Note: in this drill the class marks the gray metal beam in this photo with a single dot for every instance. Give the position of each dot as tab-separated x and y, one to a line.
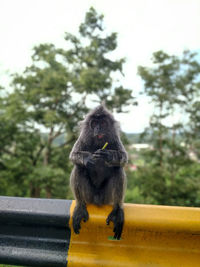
34	232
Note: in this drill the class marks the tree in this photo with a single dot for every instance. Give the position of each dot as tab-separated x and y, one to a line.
172	85
49	99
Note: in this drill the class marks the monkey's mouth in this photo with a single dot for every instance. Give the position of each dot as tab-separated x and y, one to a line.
100	136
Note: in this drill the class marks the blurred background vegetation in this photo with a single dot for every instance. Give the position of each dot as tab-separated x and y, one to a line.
39	118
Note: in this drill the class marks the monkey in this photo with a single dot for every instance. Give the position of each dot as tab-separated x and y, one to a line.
98	176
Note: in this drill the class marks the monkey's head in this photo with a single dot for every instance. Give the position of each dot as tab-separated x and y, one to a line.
101	124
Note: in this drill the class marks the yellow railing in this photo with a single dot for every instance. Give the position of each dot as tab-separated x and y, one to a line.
38	232
152	236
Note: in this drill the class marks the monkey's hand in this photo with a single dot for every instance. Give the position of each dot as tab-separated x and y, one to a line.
88	161
117	217
106	155
112	157
80	212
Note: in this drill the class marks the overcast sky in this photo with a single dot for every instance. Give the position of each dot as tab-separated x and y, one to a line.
143	26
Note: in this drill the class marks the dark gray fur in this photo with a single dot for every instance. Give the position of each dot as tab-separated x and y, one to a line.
98	176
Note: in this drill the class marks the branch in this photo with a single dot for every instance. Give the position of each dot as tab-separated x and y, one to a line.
8	152
42	146
68	142
59	132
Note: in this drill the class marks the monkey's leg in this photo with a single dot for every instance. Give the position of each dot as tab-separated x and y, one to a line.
82	193
80	213
116	189
117	217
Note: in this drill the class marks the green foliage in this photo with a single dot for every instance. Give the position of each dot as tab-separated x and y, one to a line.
154	186
39	117
169	175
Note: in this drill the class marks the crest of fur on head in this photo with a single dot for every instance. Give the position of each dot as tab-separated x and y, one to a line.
99	111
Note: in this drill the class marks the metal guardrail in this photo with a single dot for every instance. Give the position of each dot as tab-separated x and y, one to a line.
36	232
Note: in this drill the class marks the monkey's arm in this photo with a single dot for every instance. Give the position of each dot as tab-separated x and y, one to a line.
112	157
80	157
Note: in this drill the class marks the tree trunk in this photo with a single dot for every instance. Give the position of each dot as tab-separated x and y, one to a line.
47	157
160	136
34	191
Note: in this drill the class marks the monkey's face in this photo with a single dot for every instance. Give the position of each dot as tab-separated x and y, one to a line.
99	126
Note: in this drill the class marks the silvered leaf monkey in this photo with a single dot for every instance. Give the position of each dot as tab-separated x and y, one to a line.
98	176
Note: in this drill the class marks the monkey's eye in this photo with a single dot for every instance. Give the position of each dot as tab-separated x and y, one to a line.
104	124
93	124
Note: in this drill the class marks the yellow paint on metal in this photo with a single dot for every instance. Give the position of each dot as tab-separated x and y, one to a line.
153	236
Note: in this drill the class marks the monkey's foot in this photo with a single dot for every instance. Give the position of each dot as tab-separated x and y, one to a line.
79	214
117	217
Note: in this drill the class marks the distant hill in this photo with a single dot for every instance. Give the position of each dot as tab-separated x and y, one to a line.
133	138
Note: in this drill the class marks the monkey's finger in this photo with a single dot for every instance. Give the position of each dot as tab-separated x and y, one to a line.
118	230
117	236
108	220
76	226
96	156
76	230
90	163
86	217
100	153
